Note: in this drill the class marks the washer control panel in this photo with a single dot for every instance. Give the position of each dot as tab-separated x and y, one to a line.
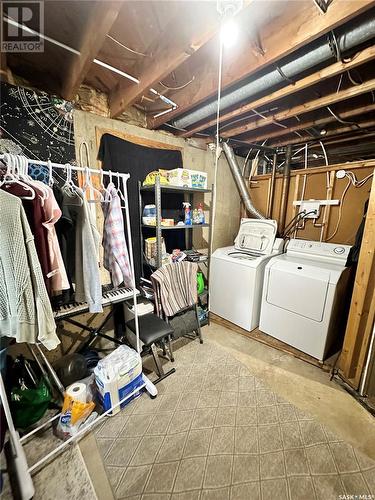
318	250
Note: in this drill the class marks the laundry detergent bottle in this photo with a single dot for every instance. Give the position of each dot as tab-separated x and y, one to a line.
187	209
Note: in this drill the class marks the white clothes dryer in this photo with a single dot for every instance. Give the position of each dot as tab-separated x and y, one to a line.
236	272
304	296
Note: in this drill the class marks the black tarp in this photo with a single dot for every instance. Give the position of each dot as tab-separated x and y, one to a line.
122	156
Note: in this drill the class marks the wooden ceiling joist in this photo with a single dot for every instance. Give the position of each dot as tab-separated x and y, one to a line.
182	38
280	37
331	71
359	110
300	109
101	17
331	133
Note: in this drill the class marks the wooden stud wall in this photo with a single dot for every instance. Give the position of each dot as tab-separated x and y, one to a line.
320	184
362	308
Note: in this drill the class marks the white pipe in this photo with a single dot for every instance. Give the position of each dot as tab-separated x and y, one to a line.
34	431
131	257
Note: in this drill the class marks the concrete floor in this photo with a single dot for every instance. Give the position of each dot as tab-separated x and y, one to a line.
304	385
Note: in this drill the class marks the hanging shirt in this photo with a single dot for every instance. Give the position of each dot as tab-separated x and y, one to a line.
81	248
116	256
25	309
66	234
35	216
52	213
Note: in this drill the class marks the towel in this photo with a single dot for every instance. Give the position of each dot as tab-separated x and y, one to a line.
175	287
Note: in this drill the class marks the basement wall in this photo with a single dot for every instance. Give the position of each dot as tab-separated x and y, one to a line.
89	128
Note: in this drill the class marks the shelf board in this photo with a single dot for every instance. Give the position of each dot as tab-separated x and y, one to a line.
175	189
167	228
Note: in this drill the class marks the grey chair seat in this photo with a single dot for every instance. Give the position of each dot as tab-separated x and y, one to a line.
151	328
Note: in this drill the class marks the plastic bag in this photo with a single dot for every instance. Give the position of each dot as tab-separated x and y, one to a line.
29	405
73	415
29	395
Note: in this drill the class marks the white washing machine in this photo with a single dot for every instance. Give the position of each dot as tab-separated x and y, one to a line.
236	272
305	294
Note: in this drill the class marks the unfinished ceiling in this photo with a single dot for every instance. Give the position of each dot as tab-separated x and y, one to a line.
296	75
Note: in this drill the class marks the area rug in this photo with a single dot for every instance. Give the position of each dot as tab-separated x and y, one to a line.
216	431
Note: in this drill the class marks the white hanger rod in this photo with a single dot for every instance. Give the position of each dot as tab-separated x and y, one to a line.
95	171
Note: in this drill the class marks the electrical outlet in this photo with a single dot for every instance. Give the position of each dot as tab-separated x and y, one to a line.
312	206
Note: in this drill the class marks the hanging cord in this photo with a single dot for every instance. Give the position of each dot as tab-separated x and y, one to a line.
217	148
357	184
179	87
324	152
340	211
128	48
340	120
334	46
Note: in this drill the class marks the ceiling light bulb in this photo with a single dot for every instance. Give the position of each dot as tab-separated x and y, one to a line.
229	33
323	131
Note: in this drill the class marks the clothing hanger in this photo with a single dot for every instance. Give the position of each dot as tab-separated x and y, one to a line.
11	178
89	185
69	187
118	189
107	195
23	166
50	177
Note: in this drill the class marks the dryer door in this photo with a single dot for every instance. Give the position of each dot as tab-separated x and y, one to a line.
299	288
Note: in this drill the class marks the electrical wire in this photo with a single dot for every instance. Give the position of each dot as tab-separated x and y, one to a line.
180	87
324	152
264	117
340	82
340	211
128	48
357	184
352	79
340	120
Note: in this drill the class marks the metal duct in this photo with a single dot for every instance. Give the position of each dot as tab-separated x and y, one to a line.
359	32
240	183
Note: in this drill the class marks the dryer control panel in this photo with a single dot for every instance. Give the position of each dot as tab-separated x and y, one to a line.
318	250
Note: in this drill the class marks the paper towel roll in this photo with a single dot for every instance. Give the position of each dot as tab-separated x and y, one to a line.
77	391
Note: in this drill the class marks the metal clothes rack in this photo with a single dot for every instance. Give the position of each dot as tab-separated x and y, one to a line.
147	384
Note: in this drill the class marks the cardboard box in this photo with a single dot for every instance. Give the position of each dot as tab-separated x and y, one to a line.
184	177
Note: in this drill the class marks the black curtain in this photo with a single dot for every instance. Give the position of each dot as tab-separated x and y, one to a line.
122	156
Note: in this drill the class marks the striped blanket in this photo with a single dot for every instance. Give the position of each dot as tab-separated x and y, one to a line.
175	287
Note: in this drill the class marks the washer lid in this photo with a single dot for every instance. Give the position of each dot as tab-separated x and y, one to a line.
256	236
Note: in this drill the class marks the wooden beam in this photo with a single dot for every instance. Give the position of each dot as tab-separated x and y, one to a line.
99	22
299	24
361	314
333	70
356	165
300	109
183	36
313	123
331	133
